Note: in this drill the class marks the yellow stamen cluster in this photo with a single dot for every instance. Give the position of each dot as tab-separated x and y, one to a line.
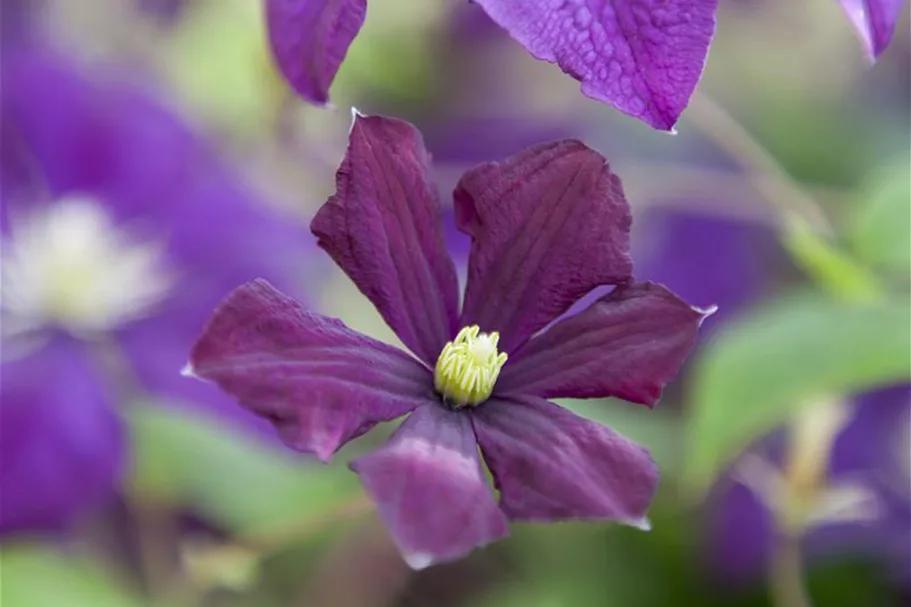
468	367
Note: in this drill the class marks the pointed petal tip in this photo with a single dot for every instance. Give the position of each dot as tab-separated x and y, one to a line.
706	312
188	371
355	114
418	560
324	453
642	524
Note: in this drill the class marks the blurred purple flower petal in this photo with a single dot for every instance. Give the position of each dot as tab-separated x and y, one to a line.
166	11
875	22
310	39
62	447
430	488
384	228
644	58
111	188
113	142
319	382
547	226
867	454
471	140
627	344
550	464
707	259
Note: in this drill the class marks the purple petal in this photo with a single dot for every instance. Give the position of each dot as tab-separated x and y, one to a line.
384	228
628	344
320	383
550	464
430	488
110	139
310	38
547	226
62	446
874	21
644	58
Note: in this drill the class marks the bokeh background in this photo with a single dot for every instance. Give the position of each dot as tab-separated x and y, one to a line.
157	135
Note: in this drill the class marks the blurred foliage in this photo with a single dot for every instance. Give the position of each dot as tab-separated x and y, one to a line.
217	59
880	230
790	353
831	268
389	59
35	576
178	458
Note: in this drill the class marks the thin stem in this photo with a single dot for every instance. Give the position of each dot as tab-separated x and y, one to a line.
781	192
158	533
157	543
268	540
786	577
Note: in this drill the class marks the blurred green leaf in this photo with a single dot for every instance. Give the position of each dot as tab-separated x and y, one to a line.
881	230
828	266
757	372
234	479
392	55
36	576
218	60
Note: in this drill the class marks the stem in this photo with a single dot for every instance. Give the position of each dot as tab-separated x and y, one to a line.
786	572
157	530
269	540
157	543
781	192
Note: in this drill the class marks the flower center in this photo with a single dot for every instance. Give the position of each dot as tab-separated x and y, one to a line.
69	264
468	367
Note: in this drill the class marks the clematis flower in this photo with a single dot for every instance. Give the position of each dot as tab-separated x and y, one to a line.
547	226
120	231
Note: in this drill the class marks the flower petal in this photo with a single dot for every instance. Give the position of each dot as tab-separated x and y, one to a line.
550	464
384	228
62	446
627	344
320	383
547	226
644	58
430	488
310	38
874	21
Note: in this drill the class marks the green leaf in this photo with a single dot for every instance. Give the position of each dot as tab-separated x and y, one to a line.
392	55
757	372
231	477
218	61
881	229
35	576
831	268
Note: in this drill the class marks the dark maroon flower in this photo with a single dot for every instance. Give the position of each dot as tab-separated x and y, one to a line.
547	226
